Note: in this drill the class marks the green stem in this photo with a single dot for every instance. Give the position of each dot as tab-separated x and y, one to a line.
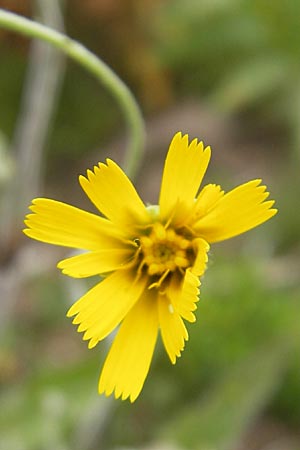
97	67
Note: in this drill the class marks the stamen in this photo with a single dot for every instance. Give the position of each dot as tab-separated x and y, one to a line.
159	282
163	250
131	262
159	231
181	262
153	269
146	241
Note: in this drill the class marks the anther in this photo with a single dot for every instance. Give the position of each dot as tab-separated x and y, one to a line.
146	242
181	262
160	231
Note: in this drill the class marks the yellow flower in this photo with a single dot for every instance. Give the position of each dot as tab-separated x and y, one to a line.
150	258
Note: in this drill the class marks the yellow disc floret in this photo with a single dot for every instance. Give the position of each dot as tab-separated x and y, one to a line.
164	251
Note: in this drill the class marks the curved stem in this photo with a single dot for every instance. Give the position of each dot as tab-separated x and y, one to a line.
97	67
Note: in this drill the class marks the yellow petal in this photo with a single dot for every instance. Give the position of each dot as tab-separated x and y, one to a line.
184	294
189	296
128	362
61	224
113	194
207	198
199	266
237	211
103	307
184	169
173	331
94	263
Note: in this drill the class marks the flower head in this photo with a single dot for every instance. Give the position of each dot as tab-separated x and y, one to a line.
150	258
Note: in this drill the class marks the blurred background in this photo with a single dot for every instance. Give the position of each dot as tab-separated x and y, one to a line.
227	72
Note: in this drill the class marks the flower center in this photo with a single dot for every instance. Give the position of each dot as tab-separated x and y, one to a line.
164	251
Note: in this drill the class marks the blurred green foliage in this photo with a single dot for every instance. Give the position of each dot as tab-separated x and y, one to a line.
240	55
11	88
242	52
94	115
241	360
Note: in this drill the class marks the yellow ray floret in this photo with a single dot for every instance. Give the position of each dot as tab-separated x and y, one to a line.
122	204
61	224
95	263
98	313
237	211
173	331
184	169
128	361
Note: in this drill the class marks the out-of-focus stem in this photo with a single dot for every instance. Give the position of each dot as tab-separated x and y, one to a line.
96	66
41	89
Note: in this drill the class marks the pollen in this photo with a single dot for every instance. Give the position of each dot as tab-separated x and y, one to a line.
165	250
